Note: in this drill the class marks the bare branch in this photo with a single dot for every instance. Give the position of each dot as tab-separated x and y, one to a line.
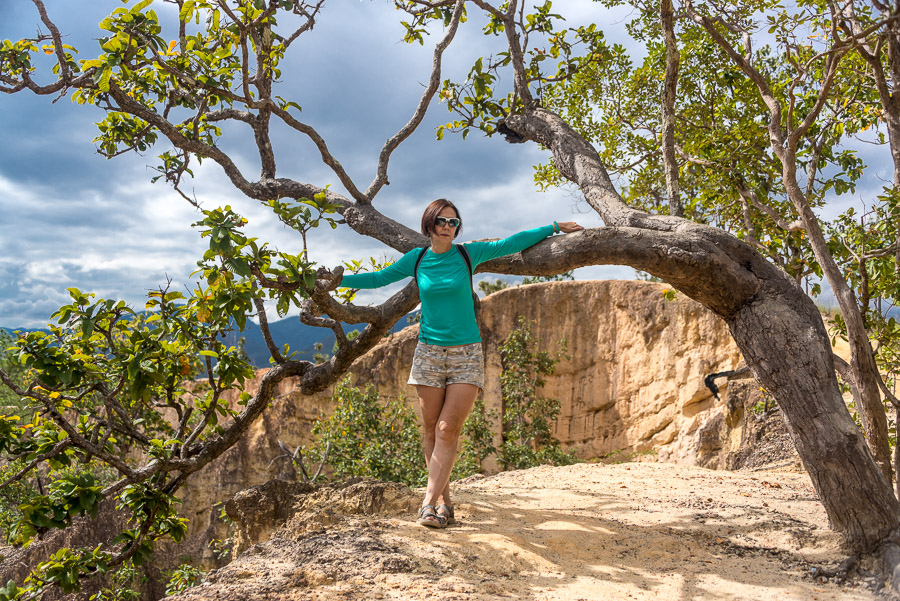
326	155
64	71
433	83
57	448
310	21
264	327
670	165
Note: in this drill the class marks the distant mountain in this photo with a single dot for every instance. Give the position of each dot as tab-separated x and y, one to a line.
301	337
12	331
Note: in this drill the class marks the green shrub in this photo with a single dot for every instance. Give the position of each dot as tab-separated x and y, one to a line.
369	437
477	441
376	438
528	416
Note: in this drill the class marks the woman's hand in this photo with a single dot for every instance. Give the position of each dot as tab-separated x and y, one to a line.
329	280
567	227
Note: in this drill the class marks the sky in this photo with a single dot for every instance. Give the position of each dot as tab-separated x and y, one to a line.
71	218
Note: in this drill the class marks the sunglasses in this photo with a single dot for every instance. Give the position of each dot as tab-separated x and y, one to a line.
442	221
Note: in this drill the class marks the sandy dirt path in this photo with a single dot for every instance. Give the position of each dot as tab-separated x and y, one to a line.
628	531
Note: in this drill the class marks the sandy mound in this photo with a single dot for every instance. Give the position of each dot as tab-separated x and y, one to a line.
589	531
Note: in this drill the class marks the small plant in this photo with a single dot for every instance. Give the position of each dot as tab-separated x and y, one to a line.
221	547
184	577
122	585
622	456
477	441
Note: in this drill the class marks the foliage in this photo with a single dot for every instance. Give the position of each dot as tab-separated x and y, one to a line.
10	402
477	441
122	585
13	496
96	382
559	277
528	416
222	548
489	288
184	577
858	241
371	437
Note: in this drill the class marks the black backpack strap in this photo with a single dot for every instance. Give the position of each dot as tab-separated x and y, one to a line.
475	300
418	262
465	255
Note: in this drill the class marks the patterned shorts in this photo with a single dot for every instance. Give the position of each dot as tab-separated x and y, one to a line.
439	366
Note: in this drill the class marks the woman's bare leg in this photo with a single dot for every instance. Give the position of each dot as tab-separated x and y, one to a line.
458	401
431	401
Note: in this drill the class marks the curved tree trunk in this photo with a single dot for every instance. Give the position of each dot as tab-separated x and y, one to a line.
776	325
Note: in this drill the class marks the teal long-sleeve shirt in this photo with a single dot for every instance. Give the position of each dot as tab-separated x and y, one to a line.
448	314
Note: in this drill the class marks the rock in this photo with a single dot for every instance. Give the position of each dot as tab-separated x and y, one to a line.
259	510
279	508
761	437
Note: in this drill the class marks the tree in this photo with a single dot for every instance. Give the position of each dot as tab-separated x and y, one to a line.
559	277
487	287
772	320
102	374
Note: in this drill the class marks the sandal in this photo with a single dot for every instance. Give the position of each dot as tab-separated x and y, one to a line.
446	512
430	518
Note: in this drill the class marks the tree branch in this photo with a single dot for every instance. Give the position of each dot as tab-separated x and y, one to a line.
433	83
670	165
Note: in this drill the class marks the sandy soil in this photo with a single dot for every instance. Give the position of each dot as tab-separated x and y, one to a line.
591	531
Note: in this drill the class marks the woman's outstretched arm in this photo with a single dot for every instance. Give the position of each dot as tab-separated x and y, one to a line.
485	251
390	274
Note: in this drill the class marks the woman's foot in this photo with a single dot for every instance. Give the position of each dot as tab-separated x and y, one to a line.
446	511
431	518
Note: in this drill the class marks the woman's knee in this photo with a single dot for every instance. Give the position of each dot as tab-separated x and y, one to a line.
448	430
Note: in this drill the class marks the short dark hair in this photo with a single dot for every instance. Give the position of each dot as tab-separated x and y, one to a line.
431	214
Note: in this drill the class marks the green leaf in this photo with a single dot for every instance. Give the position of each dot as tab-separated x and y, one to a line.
103	80
186	10
141	6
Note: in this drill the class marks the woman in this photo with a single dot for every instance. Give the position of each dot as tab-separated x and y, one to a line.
448	367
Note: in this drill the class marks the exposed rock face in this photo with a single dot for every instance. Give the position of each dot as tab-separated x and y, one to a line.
764	436
634	377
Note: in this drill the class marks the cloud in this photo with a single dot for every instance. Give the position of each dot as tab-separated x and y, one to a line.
71	218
